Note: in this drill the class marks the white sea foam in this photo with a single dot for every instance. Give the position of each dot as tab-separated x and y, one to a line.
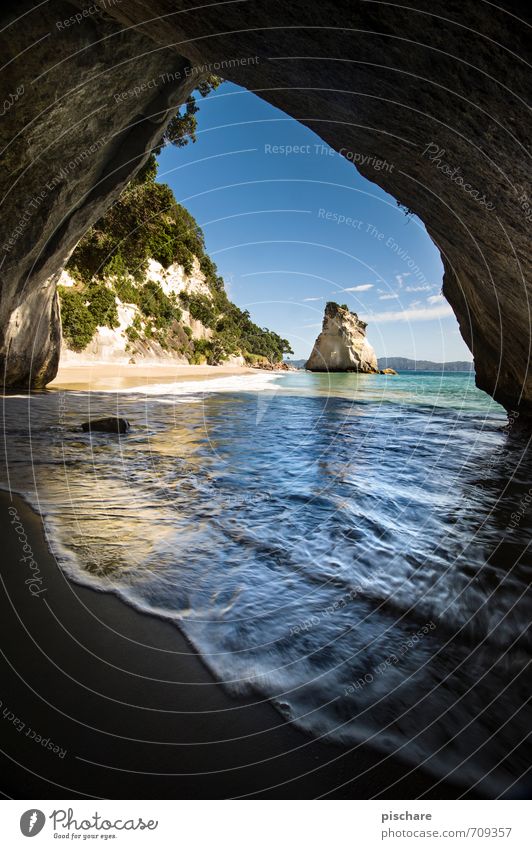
234	383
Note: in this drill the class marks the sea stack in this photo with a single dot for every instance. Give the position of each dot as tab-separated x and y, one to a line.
342	343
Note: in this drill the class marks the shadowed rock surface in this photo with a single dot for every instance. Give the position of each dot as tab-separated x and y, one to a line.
342	343
437	89
112	424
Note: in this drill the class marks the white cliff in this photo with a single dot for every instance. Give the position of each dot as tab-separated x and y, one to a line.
113	345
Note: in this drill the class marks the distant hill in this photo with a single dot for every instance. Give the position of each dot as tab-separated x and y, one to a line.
404	364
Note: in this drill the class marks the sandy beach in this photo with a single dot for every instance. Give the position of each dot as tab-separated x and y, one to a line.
109	376
102	701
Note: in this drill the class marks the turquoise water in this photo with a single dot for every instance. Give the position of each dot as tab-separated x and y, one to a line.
352	548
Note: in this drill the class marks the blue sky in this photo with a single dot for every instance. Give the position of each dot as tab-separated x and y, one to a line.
290	229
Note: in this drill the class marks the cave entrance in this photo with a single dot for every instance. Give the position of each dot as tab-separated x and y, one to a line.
291	225
369	80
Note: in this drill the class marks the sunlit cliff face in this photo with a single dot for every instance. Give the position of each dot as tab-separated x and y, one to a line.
439	102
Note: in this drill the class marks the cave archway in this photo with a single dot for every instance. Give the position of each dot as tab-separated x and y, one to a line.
439	89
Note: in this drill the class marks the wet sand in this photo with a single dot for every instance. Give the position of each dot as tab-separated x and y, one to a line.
107	376
100	700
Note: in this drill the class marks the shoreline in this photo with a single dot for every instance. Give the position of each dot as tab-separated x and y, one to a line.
137	712
97	377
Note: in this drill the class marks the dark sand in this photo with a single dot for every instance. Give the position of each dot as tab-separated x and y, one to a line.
138	713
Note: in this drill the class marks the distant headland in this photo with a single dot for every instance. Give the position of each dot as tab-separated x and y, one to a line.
405	364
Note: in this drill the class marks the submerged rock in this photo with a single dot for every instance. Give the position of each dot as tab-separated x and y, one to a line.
342	344
266	365
112	424
388	371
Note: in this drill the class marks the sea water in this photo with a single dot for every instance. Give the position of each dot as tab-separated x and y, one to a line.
353	548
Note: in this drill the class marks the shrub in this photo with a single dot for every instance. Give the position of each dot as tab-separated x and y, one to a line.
78	322
202	309
202	352
126	290
156	305
208	268
132	333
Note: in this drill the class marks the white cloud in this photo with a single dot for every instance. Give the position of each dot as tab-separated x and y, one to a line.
400	277
387	297
362	287
417	288
418	314
312	299
436	299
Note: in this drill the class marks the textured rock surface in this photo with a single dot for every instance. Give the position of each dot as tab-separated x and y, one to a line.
342	344
112	424
372	79
68	149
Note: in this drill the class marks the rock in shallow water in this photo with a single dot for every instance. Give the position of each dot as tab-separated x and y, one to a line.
112	424
342	344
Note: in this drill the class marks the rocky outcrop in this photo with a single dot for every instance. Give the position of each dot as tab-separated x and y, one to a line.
342	344
111	424
436	90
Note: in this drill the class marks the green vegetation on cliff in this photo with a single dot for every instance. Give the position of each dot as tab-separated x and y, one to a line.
84	309
146	222
112	259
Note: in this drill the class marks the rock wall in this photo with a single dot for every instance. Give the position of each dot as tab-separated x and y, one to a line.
342	344
437	89
70	143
